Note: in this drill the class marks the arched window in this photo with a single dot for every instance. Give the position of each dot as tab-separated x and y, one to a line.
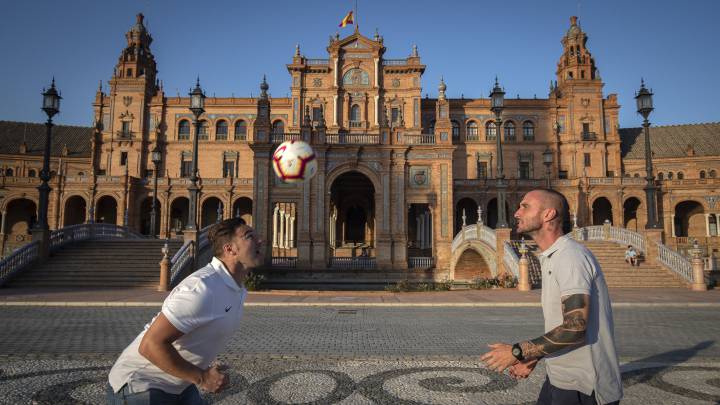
510	132
680	175
129	72
670	175
31	173
471	131
278	127
636	175
490	131
455	131
354	114
660	176
702	174
528	131
203	131
240	131
356	77
712	174
184	130
221	131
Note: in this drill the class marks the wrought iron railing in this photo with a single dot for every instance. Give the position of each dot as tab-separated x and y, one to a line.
18	260
353	139
353	262
421	262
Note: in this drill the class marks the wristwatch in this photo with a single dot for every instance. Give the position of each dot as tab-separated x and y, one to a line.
517	352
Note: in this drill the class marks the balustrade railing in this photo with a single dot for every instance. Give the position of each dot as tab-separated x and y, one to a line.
475	232
675	262
18	260
284	262
280	138
353	139
394	62
614	234
421	263
352	262
317	61
419	139
182	260
511	260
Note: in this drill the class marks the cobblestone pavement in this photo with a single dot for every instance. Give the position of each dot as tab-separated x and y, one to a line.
358	355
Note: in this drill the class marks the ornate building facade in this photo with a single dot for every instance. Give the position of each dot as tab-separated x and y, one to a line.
399	173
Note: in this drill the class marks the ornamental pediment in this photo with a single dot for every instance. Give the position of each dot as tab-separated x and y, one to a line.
356	44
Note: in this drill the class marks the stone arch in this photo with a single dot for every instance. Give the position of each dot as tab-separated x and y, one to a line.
21	216
631	210
106	210
209	212
179	210
690	219
601	210
470	206
353	206
461	264
243	208
74	210
492	213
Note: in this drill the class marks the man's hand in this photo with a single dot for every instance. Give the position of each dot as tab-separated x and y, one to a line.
499	358
212	380
522	369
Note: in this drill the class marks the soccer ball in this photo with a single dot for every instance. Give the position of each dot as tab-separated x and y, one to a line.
294	162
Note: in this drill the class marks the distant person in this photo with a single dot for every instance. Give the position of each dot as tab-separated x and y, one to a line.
578	345
171	358
631	256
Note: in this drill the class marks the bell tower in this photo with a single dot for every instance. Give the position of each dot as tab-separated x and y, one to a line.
127	118
585	123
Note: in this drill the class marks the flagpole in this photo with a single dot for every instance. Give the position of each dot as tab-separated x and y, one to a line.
357	26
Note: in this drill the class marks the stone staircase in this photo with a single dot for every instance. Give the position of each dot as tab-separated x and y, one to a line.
620	274
100	263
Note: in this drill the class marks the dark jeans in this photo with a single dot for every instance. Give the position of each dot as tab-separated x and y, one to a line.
190	396
552	395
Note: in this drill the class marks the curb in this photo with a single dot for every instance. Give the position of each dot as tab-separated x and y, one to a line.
358	304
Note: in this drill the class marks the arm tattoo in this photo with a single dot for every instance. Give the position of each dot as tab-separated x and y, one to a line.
570	334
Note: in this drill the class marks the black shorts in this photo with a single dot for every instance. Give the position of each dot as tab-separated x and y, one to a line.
551	395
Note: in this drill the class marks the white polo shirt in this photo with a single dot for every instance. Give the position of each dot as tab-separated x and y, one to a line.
568	268
206	307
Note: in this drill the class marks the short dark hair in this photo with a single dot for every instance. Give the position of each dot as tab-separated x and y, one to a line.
222	233
564	208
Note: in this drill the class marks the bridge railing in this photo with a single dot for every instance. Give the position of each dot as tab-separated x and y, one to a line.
18	260
511	260
22	258
182	260
352	262
675	262
475	232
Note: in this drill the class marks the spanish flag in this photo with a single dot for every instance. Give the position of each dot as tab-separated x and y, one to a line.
347	20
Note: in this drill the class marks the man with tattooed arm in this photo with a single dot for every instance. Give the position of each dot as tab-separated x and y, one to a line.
578	346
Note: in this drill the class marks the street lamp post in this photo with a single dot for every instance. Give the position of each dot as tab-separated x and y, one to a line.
497	104
644	102
156	157
197	106
547	161
51	106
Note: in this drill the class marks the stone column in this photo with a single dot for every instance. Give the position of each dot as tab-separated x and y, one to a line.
335	109
417	229
652	238
281	242
275	228
502	235
707	224
524	267
288	229
672	225
717	224
428	230
698	269
421	231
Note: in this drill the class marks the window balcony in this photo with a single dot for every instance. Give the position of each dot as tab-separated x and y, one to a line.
589	136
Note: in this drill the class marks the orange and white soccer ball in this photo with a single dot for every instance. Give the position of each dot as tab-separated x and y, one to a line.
294	162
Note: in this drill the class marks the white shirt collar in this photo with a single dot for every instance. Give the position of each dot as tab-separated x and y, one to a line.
225	274
554	247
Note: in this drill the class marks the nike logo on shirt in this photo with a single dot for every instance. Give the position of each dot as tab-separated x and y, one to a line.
228	308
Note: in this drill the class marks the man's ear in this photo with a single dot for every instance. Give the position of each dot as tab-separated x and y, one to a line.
549	214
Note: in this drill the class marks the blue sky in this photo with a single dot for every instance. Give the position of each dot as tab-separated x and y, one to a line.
232	43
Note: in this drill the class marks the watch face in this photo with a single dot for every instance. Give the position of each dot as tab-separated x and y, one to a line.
516	351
